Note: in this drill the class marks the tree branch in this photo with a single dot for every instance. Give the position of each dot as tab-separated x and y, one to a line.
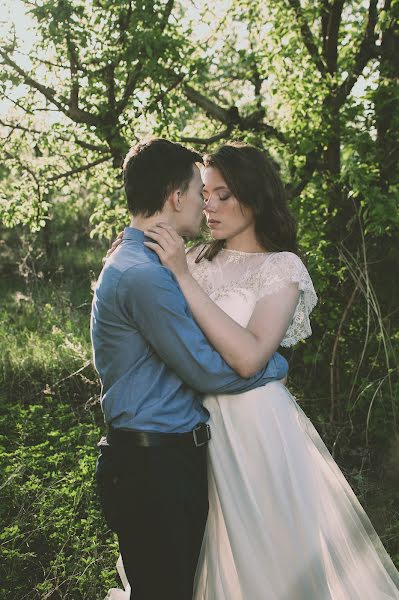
325	14
26	110
133	78
124	22
210	140
214	110
86	145
256	80
307	37
166	14
160	97
367	50
76	114
254	122
79	169
73	66
42	61
231	116
47	92
313	159
131	83
110	79
14	126
24	167
331	35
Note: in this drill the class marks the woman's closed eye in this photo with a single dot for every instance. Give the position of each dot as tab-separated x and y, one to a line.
221	197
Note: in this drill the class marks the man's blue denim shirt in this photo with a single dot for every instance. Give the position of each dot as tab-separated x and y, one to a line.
154	362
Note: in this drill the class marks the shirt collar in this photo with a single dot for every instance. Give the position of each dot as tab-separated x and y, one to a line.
136	235
131	233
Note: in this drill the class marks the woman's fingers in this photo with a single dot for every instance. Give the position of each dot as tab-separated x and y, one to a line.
167	230
171	239
167	242
157	248
169	247
163	233
158	237
171	231
118	240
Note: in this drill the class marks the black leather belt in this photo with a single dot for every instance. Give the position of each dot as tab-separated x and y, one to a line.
199	436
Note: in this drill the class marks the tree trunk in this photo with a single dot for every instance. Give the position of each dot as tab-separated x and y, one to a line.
387	101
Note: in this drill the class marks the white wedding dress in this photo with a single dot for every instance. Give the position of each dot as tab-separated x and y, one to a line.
283	522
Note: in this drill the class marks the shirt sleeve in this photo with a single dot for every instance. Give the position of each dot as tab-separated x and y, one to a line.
152	300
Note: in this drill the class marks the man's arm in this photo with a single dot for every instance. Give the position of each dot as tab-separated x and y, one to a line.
152	299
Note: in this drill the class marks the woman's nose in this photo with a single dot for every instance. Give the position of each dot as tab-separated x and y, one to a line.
210	205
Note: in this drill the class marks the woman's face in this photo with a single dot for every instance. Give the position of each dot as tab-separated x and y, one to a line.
225	216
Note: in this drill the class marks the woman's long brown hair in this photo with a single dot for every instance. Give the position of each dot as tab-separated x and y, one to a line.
255	182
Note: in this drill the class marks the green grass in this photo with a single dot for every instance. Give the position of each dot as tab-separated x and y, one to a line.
54	542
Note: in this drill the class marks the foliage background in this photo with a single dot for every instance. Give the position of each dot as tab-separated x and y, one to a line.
313	83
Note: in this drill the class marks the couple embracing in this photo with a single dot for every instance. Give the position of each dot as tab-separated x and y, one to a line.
215	481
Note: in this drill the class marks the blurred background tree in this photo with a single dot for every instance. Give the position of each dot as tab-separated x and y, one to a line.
313	83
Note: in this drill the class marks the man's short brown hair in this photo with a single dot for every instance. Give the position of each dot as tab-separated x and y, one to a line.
152	170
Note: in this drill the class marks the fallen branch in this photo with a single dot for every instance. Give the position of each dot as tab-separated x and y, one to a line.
57	383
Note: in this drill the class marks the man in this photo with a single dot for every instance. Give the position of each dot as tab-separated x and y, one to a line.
155	366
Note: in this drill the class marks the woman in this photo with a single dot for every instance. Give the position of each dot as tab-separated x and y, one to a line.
283	522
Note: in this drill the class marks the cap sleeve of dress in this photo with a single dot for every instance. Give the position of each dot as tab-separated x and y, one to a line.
281	270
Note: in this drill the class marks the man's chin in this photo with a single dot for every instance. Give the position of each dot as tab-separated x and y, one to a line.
191	234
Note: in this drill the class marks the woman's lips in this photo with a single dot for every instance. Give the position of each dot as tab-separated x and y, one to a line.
212	223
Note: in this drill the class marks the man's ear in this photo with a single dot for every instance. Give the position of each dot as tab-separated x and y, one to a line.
175	200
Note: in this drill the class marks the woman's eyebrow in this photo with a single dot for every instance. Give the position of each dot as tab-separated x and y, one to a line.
220	187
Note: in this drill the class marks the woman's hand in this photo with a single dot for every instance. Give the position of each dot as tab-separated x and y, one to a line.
114	246
170	248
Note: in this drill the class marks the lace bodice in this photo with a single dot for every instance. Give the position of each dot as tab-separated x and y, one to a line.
236	281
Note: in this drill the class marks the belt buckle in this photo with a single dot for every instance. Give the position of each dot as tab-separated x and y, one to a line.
197	430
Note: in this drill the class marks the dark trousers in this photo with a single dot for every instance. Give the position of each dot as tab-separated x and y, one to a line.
156	500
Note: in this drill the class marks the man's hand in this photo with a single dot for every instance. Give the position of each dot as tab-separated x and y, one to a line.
170	248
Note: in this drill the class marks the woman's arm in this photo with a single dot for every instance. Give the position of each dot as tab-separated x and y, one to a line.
246	350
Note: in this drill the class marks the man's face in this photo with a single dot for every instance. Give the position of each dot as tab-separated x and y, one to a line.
188	220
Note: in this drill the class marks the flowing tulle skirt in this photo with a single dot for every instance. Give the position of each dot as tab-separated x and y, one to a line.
283	522
117	593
